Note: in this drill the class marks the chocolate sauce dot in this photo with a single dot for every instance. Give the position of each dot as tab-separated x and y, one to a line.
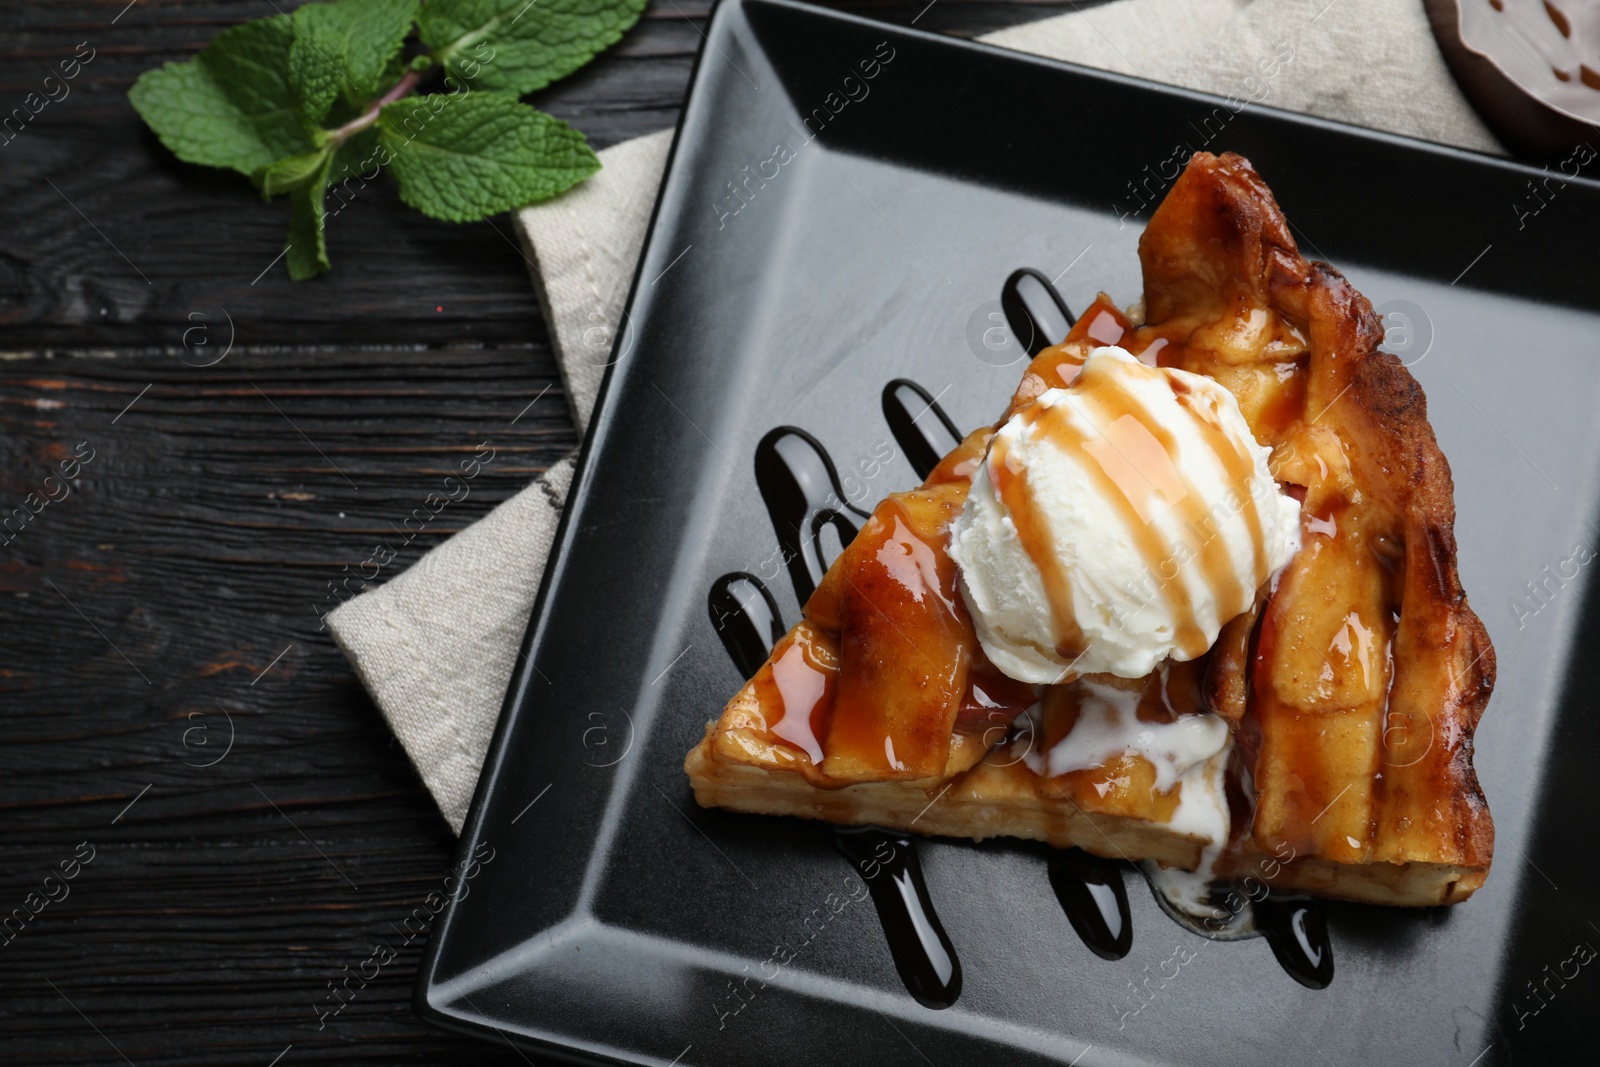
746	618
1297	930
1036	313
920	426
922	953
801	489
1092	893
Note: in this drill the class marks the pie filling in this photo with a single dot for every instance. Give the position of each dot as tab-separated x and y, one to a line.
1192	600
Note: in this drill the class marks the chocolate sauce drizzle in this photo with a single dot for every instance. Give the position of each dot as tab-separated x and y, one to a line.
1297	929
1092	893
920	426
746	618
1036	313
801	489
922	951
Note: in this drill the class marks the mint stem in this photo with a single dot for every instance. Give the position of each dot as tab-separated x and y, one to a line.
356	125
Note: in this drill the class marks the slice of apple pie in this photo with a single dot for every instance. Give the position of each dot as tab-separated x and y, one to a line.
1193	600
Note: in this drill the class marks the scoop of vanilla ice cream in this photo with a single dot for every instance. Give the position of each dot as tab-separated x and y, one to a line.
1117	522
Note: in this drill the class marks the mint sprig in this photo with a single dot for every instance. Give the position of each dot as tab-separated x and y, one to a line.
321	99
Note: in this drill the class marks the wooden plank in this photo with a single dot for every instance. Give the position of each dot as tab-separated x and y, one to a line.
197	546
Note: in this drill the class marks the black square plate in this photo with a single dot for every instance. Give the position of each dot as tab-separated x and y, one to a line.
877	218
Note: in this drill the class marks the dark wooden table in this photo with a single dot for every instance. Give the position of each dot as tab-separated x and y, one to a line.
172	707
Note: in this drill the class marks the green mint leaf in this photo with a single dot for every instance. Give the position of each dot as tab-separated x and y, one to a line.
348	48
314	78
463	157
518	46
287	175
307	254
231	105
356	166
349	170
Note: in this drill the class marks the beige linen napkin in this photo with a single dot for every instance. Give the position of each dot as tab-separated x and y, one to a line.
435	646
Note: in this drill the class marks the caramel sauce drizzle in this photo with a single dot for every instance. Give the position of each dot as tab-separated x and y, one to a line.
1241	468
1011	483
1135	465
803	694
1140	458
